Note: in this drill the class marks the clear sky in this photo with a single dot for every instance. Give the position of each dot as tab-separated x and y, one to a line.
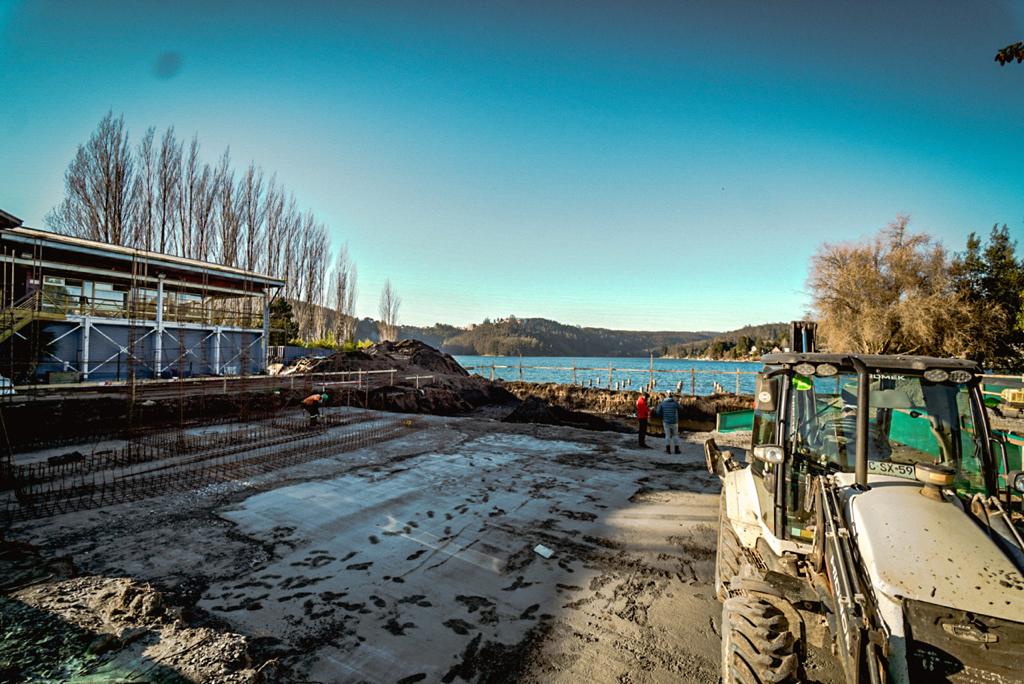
636	165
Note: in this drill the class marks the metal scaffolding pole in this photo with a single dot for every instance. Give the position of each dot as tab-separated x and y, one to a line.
158	343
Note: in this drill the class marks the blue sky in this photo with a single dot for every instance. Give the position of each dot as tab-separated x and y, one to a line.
635	165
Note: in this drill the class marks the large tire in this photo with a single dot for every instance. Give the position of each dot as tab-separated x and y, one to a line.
730	556
757	644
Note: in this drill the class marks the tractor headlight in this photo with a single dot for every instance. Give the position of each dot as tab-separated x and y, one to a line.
826	370
769	453
960	376
936	375
804	368
1016	478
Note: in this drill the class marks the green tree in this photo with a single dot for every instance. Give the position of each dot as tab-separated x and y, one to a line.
283	327
990	282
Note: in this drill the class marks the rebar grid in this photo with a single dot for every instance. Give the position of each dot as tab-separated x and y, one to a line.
85	490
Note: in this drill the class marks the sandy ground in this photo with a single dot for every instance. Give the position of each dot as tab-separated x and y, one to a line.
413	560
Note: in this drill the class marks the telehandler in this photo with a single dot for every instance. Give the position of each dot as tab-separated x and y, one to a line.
874	494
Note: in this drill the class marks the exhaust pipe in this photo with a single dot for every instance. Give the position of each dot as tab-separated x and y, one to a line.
863	393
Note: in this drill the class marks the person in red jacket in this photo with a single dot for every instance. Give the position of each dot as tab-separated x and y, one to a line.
642	414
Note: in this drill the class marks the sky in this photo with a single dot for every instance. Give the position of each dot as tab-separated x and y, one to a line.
645	166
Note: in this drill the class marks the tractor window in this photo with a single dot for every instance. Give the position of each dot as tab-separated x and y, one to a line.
910	421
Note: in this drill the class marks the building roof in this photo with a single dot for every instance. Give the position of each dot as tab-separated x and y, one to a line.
155	261
8	220
872	361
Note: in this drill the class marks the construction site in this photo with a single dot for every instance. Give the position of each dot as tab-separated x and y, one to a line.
170	513
178	506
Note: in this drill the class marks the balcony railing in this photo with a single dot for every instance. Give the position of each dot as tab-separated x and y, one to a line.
228	314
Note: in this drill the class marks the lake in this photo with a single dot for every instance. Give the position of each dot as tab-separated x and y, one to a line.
626	373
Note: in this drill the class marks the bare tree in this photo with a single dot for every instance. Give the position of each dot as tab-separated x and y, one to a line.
250	211
145	192
273	220
387	309
893	294
344	295
227	215
188	182
99	184
168	175
203	213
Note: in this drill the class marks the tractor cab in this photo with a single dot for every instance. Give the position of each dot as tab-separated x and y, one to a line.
897	416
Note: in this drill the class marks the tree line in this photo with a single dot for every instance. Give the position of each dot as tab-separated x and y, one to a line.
161	195
902	292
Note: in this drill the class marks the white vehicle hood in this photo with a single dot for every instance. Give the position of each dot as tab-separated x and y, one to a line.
917	548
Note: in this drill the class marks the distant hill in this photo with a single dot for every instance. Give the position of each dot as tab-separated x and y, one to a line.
542	337
736	344
513	336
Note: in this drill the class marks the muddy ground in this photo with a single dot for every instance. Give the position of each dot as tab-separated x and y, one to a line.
411	560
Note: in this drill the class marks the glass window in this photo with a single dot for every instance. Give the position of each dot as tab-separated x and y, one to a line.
910	420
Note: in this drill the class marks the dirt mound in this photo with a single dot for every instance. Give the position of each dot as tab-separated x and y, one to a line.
536	410
57	627
404	355
696	413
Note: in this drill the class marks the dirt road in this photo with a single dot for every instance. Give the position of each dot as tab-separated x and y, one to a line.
413	560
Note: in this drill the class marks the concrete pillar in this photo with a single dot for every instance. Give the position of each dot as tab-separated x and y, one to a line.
216	350
266	332
84	365
158	343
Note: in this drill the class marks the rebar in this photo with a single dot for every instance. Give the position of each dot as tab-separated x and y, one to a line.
105	479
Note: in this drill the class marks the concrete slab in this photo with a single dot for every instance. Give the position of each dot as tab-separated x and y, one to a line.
412	560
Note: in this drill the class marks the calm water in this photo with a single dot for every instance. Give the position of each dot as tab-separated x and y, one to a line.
627	373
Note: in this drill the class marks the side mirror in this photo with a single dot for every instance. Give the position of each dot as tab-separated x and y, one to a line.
767	394
769	453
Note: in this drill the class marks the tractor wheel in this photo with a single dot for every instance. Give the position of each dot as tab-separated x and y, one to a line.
757	645
729	557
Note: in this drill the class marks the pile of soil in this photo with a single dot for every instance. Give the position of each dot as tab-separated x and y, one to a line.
536	410
696	413
404	355
447	390
57	626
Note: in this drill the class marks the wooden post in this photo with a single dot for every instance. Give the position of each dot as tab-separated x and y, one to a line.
609	375
574	371
737	382
693	382
492	371
650	384
520	368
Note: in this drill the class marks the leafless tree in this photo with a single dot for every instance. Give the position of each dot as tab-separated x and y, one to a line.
250	211
188	182
227	215
893	294
273	220
344	295
145	192
99	184
168	175
387	309
203	213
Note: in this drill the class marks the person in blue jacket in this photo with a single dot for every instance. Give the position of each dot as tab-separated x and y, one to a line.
668	411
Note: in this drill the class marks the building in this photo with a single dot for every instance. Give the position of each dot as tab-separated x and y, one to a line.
81	310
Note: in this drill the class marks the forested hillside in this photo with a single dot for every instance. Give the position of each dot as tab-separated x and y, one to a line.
736	344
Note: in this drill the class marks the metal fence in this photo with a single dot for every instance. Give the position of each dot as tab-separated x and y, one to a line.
697	380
